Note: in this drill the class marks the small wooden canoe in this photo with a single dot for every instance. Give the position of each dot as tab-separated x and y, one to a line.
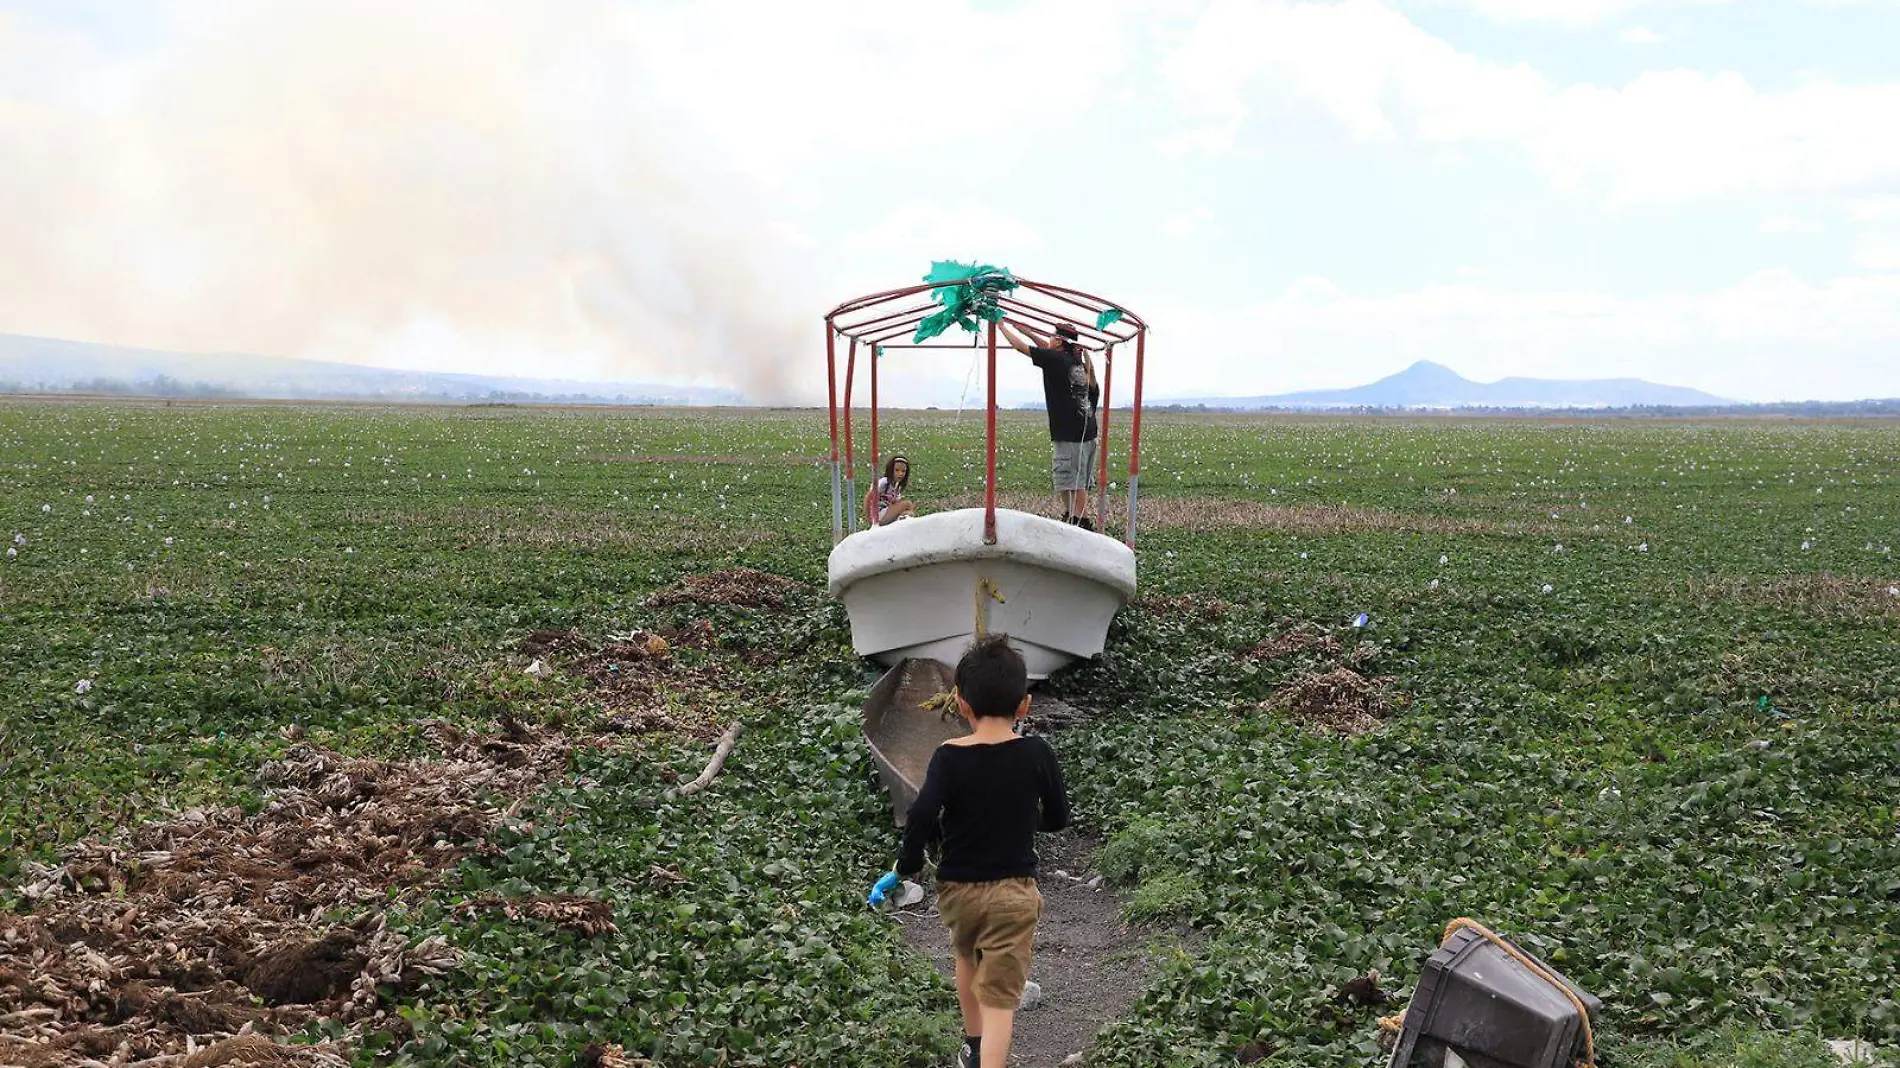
902	733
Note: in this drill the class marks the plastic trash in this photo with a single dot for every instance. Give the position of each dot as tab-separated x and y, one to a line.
885	884
1103	320
968	293
909	894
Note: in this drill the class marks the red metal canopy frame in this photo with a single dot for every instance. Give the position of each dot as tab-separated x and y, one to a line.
887	319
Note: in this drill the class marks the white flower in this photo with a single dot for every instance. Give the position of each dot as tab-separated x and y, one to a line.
45	508
1432	585
19	539
1443	559
1643	548
1559	548
88	498
1302	556
82	686
1627	520
168	539
1546	587
1805	546
1893	591
11	551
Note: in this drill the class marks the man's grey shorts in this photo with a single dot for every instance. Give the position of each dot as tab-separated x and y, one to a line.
1073	465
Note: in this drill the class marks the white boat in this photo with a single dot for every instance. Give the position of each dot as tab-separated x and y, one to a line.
923	588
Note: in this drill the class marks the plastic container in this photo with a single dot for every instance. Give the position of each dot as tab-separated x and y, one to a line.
1475	1001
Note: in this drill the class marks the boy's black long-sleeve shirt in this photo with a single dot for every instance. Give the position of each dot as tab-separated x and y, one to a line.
987	802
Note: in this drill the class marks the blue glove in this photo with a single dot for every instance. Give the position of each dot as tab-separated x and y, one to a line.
885	885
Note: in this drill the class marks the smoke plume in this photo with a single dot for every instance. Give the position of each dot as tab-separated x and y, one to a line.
490	187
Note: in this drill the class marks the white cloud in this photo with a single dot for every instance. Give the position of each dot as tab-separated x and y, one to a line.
1663	136
779	86
1878	209
1790	224
1747	341
1639	35
1561	12
1188	223
1878	250
1572	14
919	231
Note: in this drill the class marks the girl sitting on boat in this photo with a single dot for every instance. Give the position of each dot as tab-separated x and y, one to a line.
885	503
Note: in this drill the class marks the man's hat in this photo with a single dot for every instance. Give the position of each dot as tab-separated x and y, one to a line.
1067	330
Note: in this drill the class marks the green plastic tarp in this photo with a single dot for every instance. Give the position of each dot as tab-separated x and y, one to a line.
968	293
1108	316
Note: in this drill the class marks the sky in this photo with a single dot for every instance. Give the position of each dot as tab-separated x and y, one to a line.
1295	195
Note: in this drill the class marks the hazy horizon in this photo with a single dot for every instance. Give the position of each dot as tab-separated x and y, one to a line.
1297	195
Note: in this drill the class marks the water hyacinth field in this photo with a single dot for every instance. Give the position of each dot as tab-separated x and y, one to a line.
407	696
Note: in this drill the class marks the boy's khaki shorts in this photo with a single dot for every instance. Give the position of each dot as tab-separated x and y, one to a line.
993	924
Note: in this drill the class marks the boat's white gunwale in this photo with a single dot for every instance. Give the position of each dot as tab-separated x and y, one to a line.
957	536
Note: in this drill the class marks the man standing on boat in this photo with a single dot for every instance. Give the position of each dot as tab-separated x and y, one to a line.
1070	394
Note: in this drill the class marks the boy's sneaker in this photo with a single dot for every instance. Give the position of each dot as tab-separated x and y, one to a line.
1085	523
966	1057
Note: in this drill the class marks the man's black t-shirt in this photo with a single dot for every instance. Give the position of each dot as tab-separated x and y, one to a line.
988	802
1068	394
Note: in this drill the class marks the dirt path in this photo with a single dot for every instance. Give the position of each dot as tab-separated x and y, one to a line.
1089	963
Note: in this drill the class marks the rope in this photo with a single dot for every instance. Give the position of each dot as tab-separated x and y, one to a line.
1393	1025
985	591
968	377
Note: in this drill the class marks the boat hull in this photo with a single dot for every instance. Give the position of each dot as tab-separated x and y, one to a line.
902	734
920	588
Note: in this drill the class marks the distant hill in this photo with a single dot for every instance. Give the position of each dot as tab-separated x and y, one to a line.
1432	385
34	364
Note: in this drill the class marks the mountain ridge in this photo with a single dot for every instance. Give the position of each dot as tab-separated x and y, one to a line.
29	363
1430	385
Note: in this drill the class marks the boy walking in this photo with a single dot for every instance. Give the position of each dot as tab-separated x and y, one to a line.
986	795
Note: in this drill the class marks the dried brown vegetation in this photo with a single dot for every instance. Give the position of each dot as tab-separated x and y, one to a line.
1293	639
1340	701
742	587
1833	596
214	925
